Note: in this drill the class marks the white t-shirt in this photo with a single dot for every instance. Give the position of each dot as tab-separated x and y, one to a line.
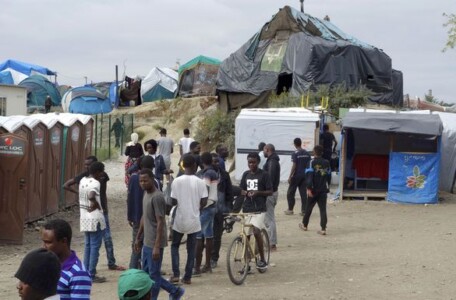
185	143
90	220
188	190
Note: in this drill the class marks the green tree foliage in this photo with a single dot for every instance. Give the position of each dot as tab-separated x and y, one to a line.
451	25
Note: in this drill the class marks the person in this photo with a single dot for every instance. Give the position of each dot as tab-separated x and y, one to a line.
255	187
135	207
133	151
272	166
117	127
317	182
195	149
261	153
38	275
222	152
165	148
184	142
224	205
205	238
47	104
107	237
160	165
134	284
152	234
329	143
75	281
300	161
92	221
190	194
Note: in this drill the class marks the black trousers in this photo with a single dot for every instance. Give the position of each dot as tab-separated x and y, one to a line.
297	182
218	231
319	199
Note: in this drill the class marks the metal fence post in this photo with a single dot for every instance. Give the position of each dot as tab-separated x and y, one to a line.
96	134
109	137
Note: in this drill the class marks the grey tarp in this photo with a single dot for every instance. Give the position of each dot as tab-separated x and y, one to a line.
448	162
314	52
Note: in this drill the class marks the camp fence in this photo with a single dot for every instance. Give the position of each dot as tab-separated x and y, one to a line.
104	138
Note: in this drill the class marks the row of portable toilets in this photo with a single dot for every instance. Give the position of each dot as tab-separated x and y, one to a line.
38	153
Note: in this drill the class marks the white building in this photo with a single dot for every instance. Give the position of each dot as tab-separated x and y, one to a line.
13	100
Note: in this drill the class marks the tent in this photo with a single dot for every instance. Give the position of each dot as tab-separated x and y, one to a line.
296	52
109	89
278	126
85	100
392	155
6	77
198	76
21	70
160	83
38	88
448	163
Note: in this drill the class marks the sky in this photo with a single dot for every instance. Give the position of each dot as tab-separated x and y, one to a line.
88	38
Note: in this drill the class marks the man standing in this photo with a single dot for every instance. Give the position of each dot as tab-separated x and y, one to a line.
165	148
300	159
190	194
47	104
153	234
327	140
92	221
75	281
184	142
103	179
117	128
272	167
222	152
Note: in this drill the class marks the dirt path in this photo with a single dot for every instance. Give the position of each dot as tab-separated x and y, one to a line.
373	250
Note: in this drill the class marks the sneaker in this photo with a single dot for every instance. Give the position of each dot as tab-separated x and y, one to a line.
213	264
98	279
116	268
186	281
206	269
174	279
288	212
273	248
301	214
262	265
321	232
178	294
196	273
249	270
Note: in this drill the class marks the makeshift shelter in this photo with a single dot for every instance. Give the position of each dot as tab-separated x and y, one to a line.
448	162
160	83
295	52
21	70
198	77
391	155
86	100
278	126
6	77
38	88
109	90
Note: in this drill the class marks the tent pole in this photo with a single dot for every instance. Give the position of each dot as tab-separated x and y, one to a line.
343	157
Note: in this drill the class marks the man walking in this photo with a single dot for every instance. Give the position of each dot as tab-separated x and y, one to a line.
75	281
117	128
272	167
165	148
300	159
184	142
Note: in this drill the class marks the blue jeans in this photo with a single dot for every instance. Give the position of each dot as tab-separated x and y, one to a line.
191	244
135	257
207	222
108	243
92	244
153	268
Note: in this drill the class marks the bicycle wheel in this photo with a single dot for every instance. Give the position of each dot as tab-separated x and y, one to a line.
236	263
266	249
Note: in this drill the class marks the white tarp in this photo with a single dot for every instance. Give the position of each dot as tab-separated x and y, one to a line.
165	77
278	126
448	159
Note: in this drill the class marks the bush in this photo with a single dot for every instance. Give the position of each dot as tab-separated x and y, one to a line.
141	134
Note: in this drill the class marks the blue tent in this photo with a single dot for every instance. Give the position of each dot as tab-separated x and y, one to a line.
38	88
6	78
109	89
24	68
86	100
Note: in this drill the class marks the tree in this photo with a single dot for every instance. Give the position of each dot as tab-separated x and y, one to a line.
451	24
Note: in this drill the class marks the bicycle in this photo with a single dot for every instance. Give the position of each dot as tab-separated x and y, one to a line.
244	248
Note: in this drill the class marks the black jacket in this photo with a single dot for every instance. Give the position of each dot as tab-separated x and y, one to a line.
318	175
272	166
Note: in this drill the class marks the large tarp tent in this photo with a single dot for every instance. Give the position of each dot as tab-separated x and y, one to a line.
295	52
160	83
198	77
21	70
85	100
396	155
109	89
448	163
38	88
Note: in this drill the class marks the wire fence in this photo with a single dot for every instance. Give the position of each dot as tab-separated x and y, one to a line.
110	135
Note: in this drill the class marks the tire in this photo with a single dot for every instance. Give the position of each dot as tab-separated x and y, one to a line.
266	249
236	263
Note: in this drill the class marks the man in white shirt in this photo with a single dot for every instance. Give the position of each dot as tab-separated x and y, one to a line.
190	193
92	221
184	142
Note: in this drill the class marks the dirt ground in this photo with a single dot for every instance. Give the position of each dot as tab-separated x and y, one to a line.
373	250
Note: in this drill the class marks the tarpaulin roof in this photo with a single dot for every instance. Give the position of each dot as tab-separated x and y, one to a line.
314	52
197	60
394	122
160	83
25	68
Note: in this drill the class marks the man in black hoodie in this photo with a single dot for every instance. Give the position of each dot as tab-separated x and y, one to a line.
272	166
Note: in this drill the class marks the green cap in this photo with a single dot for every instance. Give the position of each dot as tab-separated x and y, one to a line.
134	284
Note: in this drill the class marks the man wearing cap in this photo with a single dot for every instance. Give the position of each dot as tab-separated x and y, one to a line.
38	275
134	284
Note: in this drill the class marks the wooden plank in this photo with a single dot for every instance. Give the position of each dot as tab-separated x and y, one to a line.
366	195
